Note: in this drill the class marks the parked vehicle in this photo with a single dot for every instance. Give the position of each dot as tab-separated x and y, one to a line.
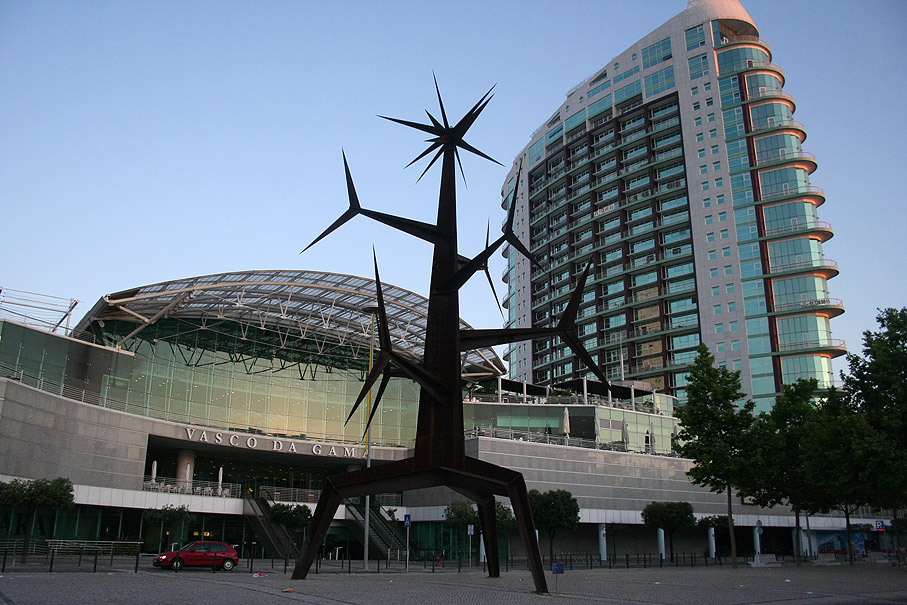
199	554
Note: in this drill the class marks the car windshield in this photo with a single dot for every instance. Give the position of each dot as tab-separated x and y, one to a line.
189	546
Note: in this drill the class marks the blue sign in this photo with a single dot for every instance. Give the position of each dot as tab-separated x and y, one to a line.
880	525
557	568
407	520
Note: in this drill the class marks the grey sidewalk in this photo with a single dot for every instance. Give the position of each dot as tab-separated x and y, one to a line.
861	584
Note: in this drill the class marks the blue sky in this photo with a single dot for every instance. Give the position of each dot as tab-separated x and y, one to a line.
148	141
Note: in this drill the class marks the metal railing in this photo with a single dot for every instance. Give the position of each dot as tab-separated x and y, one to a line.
192	487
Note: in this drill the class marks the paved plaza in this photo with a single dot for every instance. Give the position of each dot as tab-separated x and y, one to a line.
860	584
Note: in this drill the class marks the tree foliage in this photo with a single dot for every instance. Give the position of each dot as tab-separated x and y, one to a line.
30	495
295	517
459	514
877	388
670	517
715	429
169	516
554	510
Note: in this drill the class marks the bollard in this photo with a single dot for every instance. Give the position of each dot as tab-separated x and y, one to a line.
4	561
693	560
52	553
628	560
214	565
286	560
136	562
349	564
459	564
111	556
95	568
80	555
661	560
483	566
251	563
645	560
272	563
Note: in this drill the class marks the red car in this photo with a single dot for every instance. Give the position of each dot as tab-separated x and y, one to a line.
199	554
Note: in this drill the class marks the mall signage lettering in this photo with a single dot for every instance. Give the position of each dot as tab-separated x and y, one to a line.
276	445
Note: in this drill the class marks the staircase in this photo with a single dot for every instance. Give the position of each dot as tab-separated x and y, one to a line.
274	538
383	533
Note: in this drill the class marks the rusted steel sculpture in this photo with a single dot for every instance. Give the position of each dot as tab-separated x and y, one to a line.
439	458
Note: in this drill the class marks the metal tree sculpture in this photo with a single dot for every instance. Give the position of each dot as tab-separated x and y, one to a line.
439	458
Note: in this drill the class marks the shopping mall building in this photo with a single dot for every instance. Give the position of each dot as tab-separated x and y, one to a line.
227	393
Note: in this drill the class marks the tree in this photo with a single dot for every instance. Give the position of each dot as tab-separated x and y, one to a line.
460	514
555	509
715	430
669	516
877	387
842	442
30	495
169	516
777	469
295	517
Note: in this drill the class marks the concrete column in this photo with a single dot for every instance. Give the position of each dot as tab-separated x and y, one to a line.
711	534
661	543
602	542
185	467
757	539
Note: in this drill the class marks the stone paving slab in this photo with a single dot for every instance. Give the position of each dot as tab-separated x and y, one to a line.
724	585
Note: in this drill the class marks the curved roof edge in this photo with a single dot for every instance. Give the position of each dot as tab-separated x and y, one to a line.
302	304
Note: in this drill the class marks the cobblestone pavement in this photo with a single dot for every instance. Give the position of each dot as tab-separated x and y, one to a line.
789	585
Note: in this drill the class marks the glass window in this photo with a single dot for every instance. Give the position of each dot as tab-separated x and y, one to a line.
709	102
728	269
735	345
711	117
731	307
722	216
716	290
713	254
719	182
709	219
720	199
710	237
703	169
716	166
699	137
717	309
722	347
719	328
698	121
730	288
733	326
696	106
713	272
707	86
695	37
725	252
699	66
713	133
705	185
701	152
714	149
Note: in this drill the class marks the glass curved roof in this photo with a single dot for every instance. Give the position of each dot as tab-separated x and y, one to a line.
292	313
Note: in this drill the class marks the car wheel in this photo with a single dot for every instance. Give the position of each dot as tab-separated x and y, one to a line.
227	564
176	564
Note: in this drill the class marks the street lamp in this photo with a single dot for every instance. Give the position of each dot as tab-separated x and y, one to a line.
372	312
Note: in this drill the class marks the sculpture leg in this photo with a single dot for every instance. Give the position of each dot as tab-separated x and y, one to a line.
318	528
519	498
489	524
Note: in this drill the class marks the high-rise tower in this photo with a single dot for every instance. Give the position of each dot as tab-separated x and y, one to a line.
677	170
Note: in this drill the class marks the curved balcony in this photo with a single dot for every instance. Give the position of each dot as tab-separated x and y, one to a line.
780	125
820	229
817	194
824	266
828	306
752	65
769	93
783	156
830	346
741	39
